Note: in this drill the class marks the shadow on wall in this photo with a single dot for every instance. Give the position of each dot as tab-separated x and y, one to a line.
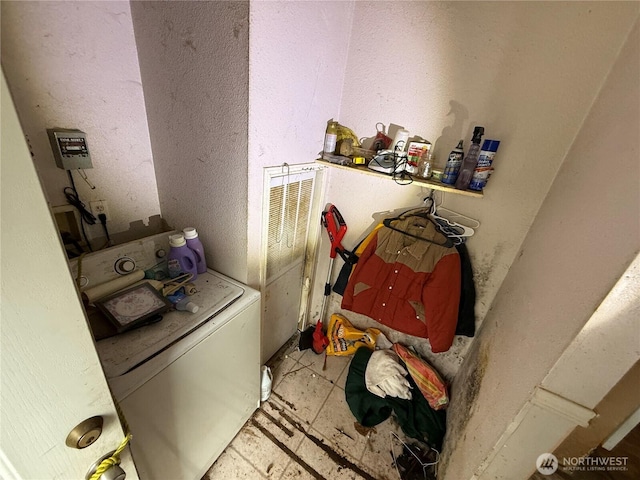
464	393
453	133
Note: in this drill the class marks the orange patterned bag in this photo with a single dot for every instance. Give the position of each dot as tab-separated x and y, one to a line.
429	382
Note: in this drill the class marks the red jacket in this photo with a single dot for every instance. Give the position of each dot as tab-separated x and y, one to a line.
408	284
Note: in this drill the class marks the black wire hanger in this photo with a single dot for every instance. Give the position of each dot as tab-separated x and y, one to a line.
388	222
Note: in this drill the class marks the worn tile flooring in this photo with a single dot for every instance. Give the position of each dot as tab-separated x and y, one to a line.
306	430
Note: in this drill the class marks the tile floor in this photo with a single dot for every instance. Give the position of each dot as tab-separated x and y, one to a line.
306	430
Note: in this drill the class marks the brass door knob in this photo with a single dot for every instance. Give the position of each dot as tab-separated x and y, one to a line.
85	433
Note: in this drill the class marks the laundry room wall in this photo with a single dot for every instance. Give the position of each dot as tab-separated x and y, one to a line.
440	68
583	239
194	67
297	62
75	65
437	69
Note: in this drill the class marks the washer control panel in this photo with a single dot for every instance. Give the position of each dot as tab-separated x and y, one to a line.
111	263
125	265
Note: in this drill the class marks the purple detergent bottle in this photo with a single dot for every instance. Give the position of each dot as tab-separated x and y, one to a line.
194	243
181	258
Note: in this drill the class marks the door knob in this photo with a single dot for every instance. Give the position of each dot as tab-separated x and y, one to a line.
114	472
85	433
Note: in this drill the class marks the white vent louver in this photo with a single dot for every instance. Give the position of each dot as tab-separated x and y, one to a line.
290	199
291	222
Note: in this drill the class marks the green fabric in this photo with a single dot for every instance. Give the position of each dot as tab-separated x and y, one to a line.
416	418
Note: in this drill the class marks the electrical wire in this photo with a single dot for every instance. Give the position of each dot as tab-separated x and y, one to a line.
399	174
71	194
103	220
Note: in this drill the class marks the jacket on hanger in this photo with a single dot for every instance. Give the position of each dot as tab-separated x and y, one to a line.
409	281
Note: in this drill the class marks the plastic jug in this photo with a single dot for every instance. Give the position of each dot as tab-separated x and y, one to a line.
265	383
194	243
181	258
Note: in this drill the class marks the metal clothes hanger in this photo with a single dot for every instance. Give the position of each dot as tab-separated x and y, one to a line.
454	216
388	222
457	232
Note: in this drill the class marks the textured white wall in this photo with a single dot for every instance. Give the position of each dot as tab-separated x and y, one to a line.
194	65
297	62
75	65
438	69
526	71
583	239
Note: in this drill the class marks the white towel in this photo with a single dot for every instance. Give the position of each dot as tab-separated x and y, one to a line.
386	376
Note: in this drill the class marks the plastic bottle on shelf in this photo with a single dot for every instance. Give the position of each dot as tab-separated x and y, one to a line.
470	160
182	302
452	167
483	169
330	137
181	258
194	243
399	143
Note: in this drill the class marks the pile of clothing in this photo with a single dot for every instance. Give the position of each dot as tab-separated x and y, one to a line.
397	381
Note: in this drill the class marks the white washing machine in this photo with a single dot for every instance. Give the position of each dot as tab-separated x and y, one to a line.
188	383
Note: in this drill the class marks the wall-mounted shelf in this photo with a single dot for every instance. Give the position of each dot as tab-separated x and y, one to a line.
417	181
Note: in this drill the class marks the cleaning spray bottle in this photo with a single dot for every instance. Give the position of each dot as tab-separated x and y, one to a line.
470	160
483	169
452	167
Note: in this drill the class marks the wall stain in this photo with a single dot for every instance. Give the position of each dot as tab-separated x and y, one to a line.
168	24
464	394
189	43
116	16
483	270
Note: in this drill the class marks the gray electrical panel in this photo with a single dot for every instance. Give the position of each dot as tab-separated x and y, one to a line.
69	148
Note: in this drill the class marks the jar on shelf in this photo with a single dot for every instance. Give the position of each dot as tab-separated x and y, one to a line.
425	164
330	137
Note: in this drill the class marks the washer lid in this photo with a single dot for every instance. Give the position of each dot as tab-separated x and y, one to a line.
125	351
